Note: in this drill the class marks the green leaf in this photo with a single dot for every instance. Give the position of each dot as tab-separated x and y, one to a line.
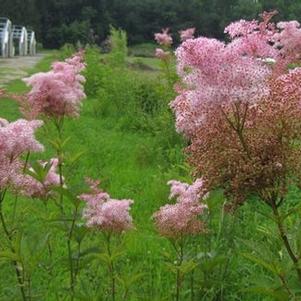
188	266
7	255
210	264
290	212
103	257
68	194
276	295
272	267
93	250
73	159
128	280
79	233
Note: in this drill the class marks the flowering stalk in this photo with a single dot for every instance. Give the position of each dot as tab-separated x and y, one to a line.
58	94
239	106
180	221
165	55
110	217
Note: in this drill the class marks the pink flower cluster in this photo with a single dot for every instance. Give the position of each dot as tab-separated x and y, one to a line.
162	55
187	34
16	139
58	92
29	186
288	40
240	107
281	41
182	218
215	75
104	213
164	38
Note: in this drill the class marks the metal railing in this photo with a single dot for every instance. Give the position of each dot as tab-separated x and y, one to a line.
16	40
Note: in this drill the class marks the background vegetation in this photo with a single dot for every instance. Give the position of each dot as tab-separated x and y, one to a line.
58	22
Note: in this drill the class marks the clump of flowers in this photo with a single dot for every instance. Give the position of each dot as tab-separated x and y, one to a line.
112	218
31	185
58	92
16	139
231	104
219	76
187	34
182	218
239	106
288	40
104	213
164	38
179	221
162	55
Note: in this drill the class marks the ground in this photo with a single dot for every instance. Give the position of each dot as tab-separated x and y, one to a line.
17	67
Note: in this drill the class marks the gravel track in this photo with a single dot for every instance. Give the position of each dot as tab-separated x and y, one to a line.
17	67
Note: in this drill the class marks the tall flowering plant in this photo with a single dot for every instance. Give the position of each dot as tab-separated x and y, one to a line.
17	140
111	218
54	96
180	221
166	54
239	106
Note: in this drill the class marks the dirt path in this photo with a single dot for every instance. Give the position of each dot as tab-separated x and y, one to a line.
15	68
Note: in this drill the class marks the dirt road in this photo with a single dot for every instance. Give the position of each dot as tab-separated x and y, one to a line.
15	68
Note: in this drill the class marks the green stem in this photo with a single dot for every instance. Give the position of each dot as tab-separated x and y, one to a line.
111	267
284	238
179	276
69	244
192	285
8	235
59	127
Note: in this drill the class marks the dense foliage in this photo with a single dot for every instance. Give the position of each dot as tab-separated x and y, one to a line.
58	22
83	197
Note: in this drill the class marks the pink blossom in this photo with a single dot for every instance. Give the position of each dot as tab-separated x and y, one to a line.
29	186
288	40
16	139
215	75
58	92
104	213
187	34
162	55
240	107
9	170
241	28
253	38
164	38
185	193
182	218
